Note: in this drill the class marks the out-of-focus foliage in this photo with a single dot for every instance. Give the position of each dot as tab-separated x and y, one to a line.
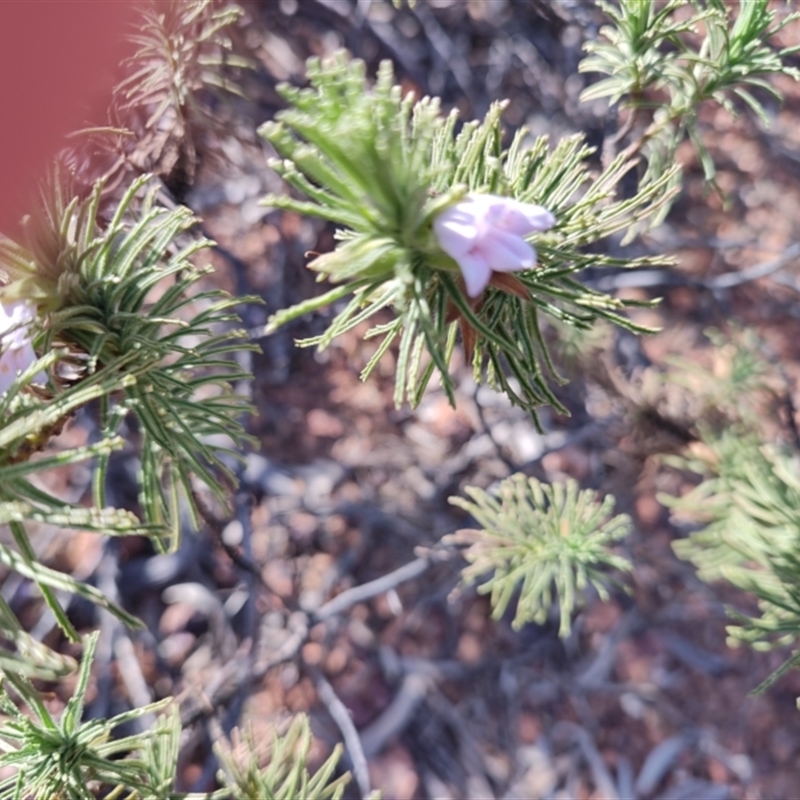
32	658
709	50
286	775
654	45
748	508
382	166
539	543
162	109
736	388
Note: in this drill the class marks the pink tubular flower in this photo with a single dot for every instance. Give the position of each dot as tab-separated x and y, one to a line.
484	233
16	350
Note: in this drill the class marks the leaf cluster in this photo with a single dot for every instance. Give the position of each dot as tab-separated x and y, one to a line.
24	503
747	507
286	775
539	543
73	759
381	166
124	306
735	390
125	329
183	47
666	60
128	329
161	109
44	758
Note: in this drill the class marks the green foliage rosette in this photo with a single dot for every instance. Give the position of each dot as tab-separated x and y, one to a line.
381	166
538	544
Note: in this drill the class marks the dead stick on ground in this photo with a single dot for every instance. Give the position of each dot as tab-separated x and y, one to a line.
731	279
352	741
226	682
366	591
130	670
394	720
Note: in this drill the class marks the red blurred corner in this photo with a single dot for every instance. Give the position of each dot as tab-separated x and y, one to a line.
58	62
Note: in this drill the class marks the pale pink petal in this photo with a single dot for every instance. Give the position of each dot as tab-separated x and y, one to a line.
539	218
476	272
524	219
16	351
482	205
455	238
530	263
14	322
506	252
7	374
485	233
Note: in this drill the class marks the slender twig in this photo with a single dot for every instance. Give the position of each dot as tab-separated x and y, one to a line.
366	591
220	689
730	279
352	741
791	414
206	602
216	733
251	578
226	683
217	526
131	673
250	626
110	626
600	774
397	715
611	141
643	279
633	149
487	429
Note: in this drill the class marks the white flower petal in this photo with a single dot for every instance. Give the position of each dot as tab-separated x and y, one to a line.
524	219
485	233
480	205
456	238
476	272
16	351
530	263
7	374
539	218
506	252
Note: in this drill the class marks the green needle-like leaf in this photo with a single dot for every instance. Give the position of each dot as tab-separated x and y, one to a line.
540	542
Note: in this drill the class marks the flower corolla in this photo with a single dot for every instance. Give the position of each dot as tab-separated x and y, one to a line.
16	350
484	233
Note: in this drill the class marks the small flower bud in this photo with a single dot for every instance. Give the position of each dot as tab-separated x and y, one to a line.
16	350
485	233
